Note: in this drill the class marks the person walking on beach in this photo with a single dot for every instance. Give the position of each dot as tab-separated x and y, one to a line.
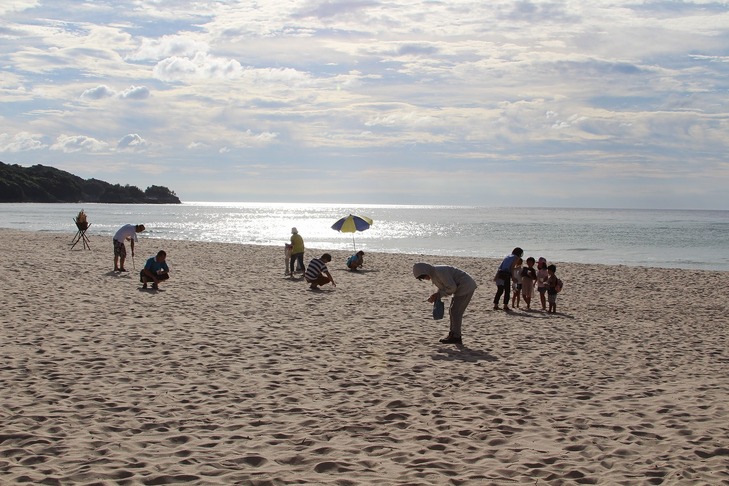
317	273
542	276
503	278
528	278
126	232
449	281
297	251
155	270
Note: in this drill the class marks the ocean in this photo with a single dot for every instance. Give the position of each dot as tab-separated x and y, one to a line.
690	239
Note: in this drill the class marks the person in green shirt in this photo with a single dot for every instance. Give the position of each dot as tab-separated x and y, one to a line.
297	251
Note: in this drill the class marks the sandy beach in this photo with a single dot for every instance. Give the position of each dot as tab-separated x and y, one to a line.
234	373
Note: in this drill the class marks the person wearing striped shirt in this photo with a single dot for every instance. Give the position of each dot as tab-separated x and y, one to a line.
317	272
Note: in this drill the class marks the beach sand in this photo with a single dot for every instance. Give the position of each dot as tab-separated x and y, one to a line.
233	373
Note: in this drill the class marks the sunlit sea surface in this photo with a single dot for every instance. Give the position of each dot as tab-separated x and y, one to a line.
658	238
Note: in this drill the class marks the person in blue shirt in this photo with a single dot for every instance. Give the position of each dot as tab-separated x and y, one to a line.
155	270
503	278
355	261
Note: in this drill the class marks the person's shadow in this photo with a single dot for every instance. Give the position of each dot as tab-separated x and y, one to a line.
463	353
361	271
150	290
113	273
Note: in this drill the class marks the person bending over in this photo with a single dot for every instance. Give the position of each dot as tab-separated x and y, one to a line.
126	232
449	281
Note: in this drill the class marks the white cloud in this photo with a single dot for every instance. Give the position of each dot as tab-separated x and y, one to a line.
8	6
199	67
135	93
102	91
550	87
168	46
21	142
98	93
131	142
78	143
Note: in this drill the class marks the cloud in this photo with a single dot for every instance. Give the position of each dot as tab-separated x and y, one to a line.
8	6
250	138
168	46
201	66
470	92
131	142
21	142
329	9
135	93
78	143
102	91
98	93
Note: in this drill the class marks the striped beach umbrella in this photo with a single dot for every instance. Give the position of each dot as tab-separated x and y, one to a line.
352	224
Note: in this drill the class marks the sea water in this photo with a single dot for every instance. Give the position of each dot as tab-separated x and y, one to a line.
688	239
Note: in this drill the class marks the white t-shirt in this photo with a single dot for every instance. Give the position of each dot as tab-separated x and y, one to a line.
126	231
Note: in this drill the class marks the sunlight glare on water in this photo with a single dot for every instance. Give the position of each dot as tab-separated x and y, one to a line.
667	238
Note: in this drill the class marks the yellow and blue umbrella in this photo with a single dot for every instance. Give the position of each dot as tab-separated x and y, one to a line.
352	224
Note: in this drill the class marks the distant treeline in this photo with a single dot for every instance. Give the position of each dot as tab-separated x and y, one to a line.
42	184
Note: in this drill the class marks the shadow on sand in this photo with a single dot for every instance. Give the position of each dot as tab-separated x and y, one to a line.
463	353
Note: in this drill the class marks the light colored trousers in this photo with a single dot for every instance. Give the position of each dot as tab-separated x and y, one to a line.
458	307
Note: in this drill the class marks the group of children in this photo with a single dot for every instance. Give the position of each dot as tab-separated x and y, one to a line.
525	278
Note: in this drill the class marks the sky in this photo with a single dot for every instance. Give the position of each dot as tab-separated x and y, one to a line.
605	104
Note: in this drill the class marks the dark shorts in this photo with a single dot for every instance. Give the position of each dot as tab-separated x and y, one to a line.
143	277
320	280
119	249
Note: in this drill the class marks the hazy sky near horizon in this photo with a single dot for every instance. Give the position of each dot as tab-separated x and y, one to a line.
500	103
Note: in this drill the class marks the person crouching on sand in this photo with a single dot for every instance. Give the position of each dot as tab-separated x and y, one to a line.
355	261
449	281
155	270
317	272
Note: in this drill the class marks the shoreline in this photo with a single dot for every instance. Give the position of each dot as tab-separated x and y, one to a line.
316	251
234	373
667	239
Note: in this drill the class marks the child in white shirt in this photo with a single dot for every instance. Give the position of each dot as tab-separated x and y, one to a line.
516	283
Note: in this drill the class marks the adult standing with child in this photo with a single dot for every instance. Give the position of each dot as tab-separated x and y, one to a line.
297	251
503	278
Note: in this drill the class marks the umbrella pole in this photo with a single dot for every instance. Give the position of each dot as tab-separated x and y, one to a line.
353	244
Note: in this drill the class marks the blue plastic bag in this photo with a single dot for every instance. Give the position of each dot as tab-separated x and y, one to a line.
438	309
